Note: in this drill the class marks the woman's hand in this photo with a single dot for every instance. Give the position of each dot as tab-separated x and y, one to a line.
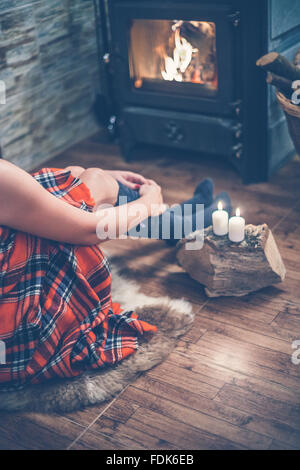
153	191
129	178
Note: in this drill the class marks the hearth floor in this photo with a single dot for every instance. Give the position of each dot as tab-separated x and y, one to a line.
230	383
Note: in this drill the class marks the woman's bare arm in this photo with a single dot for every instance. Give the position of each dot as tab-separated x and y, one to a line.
26	206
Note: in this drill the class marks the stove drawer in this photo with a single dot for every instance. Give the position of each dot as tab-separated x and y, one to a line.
183	130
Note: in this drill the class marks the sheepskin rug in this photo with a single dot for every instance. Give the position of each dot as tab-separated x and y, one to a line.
172	317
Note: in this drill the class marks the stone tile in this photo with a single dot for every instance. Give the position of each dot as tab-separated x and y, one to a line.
7	5
17	26
44	10
48	61
21	53
52	28
7	75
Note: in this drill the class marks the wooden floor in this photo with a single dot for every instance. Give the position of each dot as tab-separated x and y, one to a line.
230	383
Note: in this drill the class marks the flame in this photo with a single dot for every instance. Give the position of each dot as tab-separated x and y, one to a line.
138	83
181	66
238	212
182	56
171	72
220	206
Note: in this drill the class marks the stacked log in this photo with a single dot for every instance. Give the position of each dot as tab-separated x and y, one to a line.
281	73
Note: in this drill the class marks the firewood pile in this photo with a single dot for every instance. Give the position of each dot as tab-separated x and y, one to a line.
285	76
282	73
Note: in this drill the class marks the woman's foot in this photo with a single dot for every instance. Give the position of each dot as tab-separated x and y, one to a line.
203	194
205	189
191	220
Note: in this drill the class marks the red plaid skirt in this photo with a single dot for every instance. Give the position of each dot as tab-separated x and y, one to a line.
57	317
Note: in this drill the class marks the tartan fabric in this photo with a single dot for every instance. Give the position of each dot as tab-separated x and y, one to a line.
57	317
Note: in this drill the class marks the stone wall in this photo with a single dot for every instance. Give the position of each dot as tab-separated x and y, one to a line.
48	62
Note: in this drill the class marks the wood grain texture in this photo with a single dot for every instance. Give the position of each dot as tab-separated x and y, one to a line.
230	383
232	269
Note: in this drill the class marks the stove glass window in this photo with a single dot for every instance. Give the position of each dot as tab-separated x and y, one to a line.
164	51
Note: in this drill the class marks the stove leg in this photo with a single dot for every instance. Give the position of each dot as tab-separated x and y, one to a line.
127	141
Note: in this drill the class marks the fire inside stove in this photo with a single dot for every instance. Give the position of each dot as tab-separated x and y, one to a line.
173	51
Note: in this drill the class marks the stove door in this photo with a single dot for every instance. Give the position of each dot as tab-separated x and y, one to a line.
177	57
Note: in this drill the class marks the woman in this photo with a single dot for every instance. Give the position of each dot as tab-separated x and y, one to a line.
57	317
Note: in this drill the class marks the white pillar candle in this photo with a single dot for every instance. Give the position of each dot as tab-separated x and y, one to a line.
220	220
237	228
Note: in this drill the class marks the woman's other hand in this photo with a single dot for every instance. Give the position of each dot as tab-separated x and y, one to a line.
129	178
153	191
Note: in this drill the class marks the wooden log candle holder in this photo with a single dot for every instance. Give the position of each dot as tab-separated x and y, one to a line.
233	269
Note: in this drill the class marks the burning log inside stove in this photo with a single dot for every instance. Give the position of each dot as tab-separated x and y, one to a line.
203	37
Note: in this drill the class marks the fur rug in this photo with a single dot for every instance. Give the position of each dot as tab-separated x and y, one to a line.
172	317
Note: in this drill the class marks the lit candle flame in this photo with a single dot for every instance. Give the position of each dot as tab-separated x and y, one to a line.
238	212
220	206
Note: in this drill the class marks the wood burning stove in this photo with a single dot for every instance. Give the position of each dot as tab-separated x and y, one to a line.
184	76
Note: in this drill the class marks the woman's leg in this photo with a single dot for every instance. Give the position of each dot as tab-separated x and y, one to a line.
177	220
75	170
103	187
106	190
126	194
